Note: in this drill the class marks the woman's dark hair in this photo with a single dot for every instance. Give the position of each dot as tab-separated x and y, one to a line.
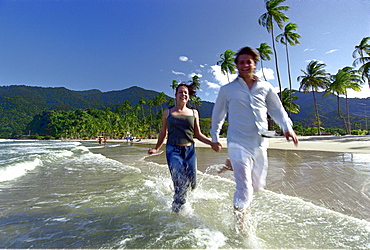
191	88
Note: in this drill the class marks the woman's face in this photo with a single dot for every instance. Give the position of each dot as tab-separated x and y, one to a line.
182	94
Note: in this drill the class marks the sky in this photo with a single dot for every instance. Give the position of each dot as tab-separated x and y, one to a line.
112	45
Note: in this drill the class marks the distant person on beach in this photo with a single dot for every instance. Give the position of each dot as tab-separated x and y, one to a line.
181	124
247	100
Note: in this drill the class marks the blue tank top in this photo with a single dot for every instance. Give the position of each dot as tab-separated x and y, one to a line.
180	129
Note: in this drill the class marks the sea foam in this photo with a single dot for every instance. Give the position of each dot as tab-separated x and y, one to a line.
18	169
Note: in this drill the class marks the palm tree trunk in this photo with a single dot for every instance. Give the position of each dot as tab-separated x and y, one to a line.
317	113
348	118
290	79
142	110
276	60
263	72
340	116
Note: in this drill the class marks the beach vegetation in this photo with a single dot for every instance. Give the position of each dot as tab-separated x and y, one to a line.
359	132
313	130
22	118
116	122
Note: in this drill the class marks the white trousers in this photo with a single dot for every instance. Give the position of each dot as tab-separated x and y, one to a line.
250	171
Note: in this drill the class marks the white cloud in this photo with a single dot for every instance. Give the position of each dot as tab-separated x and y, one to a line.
308	61
195	74
364	93
331	51
308	49
177	73
269	73
183	58
213	85
219	76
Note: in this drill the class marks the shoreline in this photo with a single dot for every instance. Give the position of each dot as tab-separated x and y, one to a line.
344	144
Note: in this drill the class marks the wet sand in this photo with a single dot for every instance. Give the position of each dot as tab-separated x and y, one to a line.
348	144
328	171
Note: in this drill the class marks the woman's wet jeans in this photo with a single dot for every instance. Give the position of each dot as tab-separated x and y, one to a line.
183	168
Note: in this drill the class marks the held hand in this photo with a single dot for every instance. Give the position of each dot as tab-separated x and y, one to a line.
291	134
152	151
216	146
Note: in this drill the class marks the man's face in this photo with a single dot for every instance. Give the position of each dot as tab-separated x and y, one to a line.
245	65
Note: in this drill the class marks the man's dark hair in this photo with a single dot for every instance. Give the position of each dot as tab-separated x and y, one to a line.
247	51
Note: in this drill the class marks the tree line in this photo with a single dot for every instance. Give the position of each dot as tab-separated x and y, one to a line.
142	120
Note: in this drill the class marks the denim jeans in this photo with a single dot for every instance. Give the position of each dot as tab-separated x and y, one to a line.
182	163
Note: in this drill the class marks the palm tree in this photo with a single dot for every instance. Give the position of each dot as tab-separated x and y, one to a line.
274	13
151	105
142	102
195	81
137	107
227	63
126	106
161	98
337	87
265	51
363	51
314	78
354	82
174	85
289	36
287	100
195	99
171	102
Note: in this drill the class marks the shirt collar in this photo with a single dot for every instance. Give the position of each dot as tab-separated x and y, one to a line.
241	80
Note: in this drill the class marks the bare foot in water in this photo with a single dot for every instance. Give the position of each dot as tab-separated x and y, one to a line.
241	225
226	167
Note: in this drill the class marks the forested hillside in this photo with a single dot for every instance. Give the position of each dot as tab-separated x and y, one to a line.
359	109
19	105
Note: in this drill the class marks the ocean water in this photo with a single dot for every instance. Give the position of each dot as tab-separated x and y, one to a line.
57	194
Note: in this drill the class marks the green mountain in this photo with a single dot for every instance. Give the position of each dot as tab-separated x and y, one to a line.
328	110
19	104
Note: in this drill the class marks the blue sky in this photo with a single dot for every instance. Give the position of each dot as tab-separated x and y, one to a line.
115	44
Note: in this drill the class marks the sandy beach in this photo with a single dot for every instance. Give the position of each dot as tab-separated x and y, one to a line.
349	143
